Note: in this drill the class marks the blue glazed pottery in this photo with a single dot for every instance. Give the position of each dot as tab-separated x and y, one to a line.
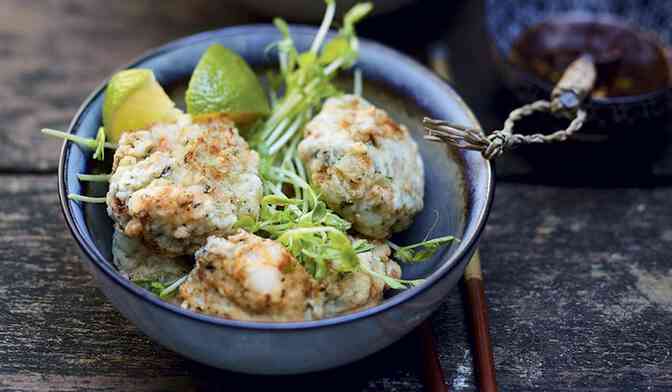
459	190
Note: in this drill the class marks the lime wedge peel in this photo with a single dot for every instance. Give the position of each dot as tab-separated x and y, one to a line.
134	100
224	84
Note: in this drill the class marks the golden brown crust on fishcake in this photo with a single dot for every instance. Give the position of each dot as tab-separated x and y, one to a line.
175	184
366	166
246	277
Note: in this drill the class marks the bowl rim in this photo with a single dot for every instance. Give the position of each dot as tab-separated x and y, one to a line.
89	248
580	15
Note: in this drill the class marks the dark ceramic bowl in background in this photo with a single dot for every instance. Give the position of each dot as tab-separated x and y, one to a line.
459	186
507	20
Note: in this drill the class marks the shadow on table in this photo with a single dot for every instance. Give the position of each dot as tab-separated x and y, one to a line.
639	156
397	362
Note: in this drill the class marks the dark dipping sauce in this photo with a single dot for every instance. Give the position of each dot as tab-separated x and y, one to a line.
629	62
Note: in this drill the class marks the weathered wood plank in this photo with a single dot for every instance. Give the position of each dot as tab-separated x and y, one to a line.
580	287
55	323
579	280
580	292
54	53
58	332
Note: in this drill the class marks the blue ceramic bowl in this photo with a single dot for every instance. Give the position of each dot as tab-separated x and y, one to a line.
459	191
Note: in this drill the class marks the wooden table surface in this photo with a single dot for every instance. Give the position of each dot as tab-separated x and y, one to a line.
579	279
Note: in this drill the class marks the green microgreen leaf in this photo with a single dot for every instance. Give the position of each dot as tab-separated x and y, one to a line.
172	288
247	223
99	152
362	246
291	209
160	289
421	251
334	49
153	286
308	77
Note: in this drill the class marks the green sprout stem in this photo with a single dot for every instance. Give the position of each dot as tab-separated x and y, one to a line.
394	283
284	175
308	230
94	177
89	143
420	251
315	235
86	199
282	140
173	286
277	131
438	240
357	83
324	27
331	68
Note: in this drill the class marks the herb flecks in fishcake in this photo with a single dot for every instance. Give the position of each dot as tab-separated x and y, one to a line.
300	219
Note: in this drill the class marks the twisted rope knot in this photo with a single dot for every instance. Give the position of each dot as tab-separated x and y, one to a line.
566	100
498	141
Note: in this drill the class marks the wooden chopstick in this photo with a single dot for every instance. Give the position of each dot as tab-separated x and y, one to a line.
431	372
439	61
480	325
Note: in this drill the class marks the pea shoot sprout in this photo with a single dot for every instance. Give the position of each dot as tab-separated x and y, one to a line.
357	83
314	234
308	76
94	177
98	145
421	251
163	291
292	212
87	199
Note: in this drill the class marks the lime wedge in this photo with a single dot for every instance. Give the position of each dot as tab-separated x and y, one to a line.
223	83
134	100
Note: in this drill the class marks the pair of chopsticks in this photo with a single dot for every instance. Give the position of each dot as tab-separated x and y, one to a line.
432	373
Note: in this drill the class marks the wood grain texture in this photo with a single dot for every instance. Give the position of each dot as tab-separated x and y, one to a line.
580	294
57	332
579	281
481	342
431	371
579	284
55	52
